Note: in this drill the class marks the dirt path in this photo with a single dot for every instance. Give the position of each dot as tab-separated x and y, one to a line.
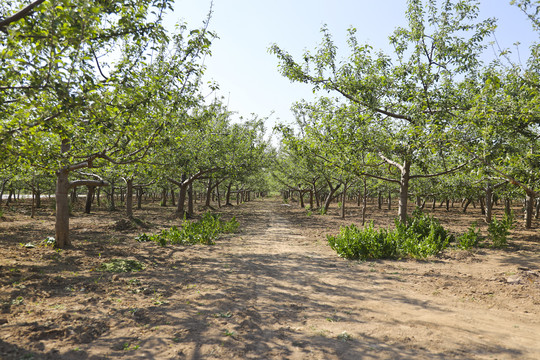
276	291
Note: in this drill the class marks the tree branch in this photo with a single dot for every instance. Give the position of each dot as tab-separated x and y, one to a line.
19	15
76	183
441	173
391	162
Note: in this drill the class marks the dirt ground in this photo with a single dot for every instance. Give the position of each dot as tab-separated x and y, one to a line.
275	290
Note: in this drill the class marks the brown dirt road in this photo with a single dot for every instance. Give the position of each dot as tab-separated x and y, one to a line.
273	291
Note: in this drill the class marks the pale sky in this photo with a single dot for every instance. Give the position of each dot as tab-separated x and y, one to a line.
247	74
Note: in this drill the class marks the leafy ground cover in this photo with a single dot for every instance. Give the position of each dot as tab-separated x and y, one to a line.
274	290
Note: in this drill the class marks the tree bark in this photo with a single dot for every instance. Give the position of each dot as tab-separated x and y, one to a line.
507	206
129	198
489	205
62	209
33	210
4	182
317	196
140	193
89	198
228	195
330	196
404	192
74	196
466	205
38	196
112	204
190	200
529	208
173	200
164	194
344	200
482	206
218	195
364	203
181	201
209	189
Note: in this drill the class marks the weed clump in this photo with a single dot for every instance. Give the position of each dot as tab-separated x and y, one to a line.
470	239
499	230
423	236
204	231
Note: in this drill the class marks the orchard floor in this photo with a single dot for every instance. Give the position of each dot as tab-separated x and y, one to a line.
275	290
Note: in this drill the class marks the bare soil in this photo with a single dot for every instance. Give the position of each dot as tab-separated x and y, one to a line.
275	290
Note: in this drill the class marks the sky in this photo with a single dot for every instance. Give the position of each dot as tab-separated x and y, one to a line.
247	73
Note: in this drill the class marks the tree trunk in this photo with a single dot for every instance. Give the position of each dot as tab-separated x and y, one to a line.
62	210
4	182
507	206
317	196
33	209
310	199
181	201
301	194
489	205
190	200
330	197
89	198
38	197
404	192
218	196
364	203
537	209
140	193
389	200
164	194
112	205
228	195
173	200
482	206
129	198
467	203
98	195
344	200
529	208
209	189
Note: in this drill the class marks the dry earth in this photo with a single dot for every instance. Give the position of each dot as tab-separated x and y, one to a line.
273	291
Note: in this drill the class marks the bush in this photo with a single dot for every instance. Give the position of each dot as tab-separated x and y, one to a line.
423	236
470	239
499	230
367	243
204	231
